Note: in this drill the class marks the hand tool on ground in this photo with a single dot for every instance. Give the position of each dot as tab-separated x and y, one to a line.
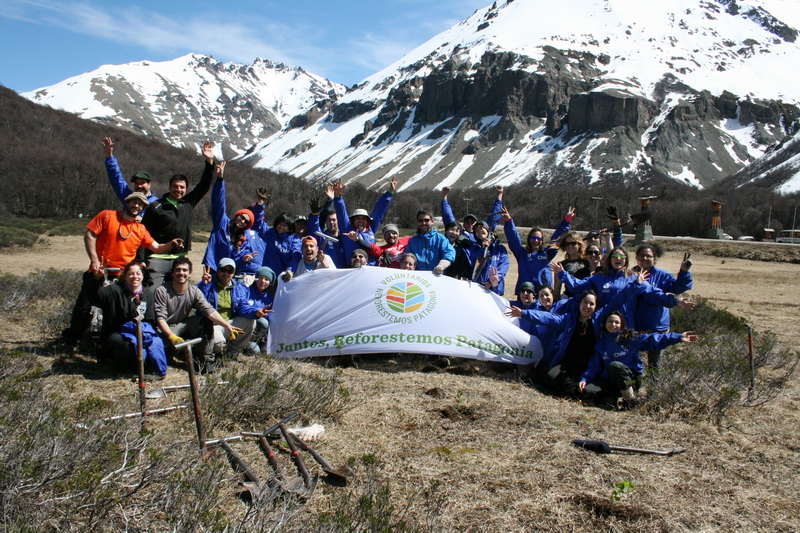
149	412
248	473
309	482
161	392
140	367
292	484
339	475
600	446
198	415
274	431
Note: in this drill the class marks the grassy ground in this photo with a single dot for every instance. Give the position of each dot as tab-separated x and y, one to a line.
466	450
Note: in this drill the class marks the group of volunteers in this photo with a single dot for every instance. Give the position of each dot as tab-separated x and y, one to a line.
592	313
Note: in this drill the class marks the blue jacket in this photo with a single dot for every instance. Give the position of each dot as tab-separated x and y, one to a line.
608	285
430	248
497	257
219	243
378	212
239	295
608	351
533	266
565	322
651	316
118	184
335	250
281	250
256	300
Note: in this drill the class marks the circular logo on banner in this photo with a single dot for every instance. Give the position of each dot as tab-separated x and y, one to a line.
404	298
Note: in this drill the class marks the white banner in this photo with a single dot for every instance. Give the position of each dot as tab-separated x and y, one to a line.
381	310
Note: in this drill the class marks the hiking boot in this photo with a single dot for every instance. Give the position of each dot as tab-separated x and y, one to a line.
154	377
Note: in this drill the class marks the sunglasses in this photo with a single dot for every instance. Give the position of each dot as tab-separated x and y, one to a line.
617	256
571	243
227	270
534	238
423	220
593	252
524	291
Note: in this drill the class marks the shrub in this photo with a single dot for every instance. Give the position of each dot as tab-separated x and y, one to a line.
10	237
709	378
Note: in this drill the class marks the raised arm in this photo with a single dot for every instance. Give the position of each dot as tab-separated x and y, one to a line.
382	206
204	184
447	211
115	177
493	218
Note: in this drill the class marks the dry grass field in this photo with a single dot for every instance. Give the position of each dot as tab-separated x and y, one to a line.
496	454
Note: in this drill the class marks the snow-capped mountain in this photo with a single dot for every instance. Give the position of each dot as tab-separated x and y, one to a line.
193	98
579	89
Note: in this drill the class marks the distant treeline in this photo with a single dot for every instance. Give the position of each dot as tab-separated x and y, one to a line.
52	164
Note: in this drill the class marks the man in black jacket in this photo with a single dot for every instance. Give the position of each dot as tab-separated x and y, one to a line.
170	217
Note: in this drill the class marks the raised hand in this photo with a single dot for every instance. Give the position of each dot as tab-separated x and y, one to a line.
393	185
108	146
315	206
219	168
685	304
506	214
445	190
612	213
514	311
686	264
499	189
555	268
353	235
206	278
329	191
208	152
494	277
263	195
338	188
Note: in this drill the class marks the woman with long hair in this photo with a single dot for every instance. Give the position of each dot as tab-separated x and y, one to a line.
615	369
121	302
232	237
574	262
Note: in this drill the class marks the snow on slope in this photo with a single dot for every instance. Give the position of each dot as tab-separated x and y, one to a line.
697	41
192	91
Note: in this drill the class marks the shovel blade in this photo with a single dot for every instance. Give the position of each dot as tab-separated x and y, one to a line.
155	393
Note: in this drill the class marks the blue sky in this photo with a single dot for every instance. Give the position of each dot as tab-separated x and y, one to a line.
46	41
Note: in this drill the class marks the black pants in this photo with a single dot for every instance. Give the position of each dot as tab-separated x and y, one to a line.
620	377
81	312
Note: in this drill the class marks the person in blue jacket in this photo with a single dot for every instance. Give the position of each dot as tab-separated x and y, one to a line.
232	238
614	277
489	259
258	307
469	220
228	296
281	245
434	252
329	238
652	317
365	224
578	327
533	257
615	369
141	181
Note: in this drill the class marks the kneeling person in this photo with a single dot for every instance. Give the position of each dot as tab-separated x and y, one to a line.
228	296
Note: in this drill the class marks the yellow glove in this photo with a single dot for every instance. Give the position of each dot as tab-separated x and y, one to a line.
234	333
174	339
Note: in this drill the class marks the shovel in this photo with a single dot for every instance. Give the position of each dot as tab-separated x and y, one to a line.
335	475
293	484
600	446
161	392
308	482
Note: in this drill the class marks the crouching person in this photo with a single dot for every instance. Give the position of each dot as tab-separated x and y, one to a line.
228	296
616	368
122	301
174	301
258	307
